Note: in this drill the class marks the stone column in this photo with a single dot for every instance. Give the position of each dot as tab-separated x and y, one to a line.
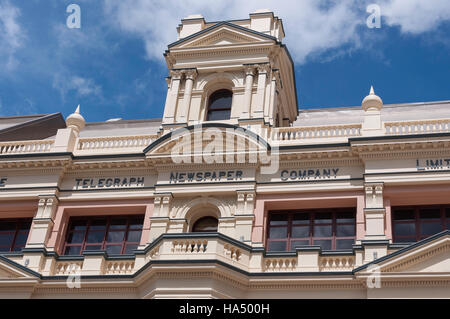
245	216
249	73
35	251
190	76
159	222
172	97
263	70
375	241
42	222
374	212
273	96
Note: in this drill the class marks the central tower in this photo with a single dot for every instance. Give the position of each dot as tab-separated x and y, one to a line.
236	72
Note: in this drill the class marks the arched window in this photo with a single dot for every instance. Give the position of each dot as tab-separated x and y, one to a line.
205	224
219	105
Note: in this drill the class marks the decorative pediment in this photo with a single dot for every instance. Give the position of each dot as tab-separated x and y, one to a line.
434	257
12	270
220	35
431	255
214	140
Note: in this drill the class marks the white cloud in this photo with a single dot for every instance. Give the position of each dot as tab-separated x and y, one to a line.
11	34
83	87
415	16
311	26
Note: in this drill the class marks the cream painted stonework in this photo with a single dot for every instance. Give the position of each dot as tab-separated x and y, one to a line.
273	157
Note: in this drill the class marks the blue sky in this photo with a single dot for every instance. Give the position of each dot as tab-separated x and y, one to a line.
113	65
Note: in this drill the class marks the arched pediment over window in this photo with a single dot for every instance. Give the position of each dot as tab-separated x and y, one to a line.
166	143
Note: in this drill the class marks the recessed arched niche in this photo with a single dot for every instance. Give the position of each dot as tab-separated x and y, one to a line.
219	105
207	224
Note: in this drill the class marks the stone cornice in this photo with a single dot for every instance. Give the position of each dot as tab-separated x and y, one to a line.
256	48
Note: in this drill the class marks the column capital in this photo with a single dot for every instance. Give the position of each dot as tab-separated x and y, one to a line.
245	202
374	195
249	70
263	68
161	204
176	74
191	74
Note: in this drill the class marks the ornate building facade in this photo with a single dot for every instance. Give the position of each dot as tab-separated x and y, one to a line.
234	193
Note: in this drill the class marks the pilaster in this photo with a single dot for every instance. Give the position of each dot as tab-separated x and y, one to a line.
263	71
190	76
245	215
374	212
172	97
249	74
43	222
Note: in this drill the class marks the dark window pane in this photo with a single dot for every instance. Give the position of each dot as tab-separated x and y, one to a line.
448	224
93	247
118	223
115	236
427	214
98	224
25	226
101	230
220	100
447	212
114	250
5	249
278	232
136	223
408	229
323	218
345	230
6	239
325	244
95	237
21	239
277	246
300	219
430	228
344	243
75	237
205	224
278	219
300	231
129	248
345	217
8	226
78	225
219	115
134	236
73	250
404	215
297	243
323	231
